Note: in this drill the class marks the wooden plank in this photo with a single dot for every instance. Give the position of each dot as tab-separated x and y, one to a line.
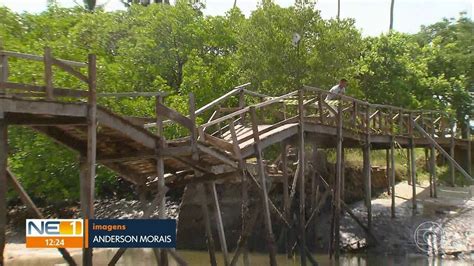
25	198
122	125
270	128
3	186
175	116
220	224
222	144
68	69
261	173
40	58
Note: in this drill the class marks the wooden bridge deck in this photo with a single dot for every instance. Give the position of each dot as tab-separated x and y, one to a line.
136	149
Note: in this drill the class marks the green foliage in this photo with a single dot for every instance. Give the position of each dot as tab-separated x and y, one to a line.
175	48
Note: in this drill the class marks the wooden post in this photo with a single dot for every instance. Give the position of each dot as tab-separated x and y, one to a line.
301	156
433	170
387	171
244	209
286	195
343	176
338	185
469	148
88	164
242	104
368	170
261	173
48	72
162	256
220	224
392	173
3	72
408	165
194	133
315	198
207	223
3	184
412	159
451	153
25	198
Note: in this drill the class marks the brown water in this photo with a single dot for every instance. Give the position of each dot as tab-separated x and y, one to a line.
139	257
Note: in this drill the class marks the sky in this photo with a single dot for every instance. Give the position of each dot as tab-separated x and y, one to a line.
371	16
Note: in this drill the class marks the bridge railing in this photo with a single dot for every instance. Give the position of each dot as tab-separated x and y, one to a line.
363	117
47	91
321	107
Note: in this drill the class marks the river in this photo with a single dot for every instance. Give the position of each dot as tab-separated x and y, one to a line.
139	257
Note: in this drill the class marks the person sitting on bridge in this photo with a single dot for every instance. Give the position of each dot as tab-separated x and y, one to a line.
337	89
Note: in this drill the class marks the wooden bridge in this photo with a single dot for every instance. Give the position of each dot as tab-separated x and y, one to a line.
241	125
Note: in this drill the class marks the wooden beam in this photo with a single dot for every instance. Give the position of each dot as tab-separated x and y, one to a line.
261	173
193	131
244	183
162	258
339	176
451	153
43	108
3	186
88	168
286	195
40	91
217	155
69	69
30	120
175	116
220	143
222	98
220	224
442	151
207	223
25	198
131	94
368	169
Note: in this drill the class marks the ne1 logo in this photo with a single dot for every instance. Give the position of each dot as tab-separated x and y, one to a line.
54	233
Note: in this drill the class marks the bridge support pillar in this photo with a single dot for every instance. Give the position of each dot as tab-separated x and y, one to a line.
3	184
392	175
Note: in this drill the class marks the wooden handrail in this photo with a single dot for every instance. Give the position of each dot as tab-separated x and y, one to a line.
40	58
